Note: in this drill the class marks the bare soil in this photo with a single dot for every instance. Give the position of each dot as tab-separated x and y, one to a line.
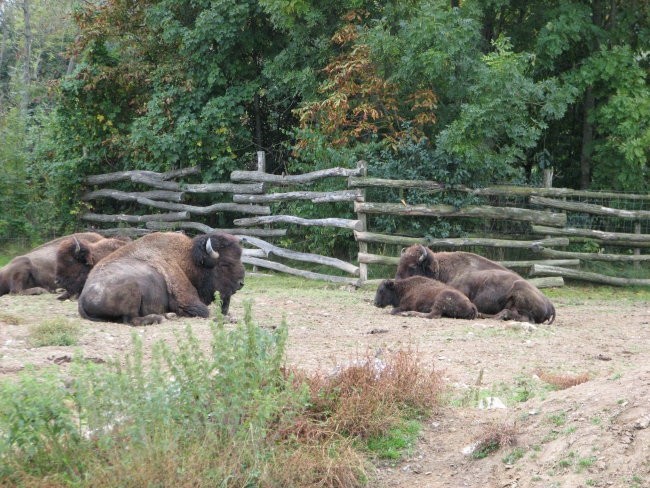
593	434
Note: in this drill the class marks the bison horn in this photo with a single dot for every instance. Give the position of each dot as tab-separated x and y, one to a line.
209	250
423	250
77	246
403	250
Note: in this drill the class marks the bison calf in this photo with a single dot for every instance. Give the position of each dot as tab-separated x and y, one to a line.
430	298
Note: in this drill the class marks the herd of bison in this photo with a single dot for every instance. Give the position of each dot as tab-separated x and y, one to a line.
166	274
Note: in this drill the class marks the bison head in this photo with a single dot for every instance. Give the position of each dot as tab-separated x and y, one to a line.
76	257
417	260
386	294
217	256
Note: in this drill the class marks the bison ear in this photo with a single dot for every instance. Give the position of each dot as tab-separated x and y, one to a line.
390	284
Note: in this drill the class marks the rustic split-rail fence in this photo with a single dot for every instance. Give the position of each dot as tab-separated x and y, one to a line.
540	223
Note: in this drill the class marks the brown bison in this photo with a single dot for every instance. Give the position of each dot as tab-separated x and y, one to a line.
494	290
160	273
34	273
76	257
432	298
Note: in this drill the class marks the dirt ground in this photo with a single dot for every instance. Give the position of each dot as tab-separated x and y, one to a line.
593	434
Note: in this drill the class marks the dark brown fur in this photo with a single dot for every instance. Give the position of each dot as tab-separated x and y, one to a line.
492	288
34	273
163	272
76	257
431	298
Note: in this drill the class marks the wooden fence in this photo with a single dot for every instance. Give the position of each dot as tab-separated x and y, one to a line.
549	216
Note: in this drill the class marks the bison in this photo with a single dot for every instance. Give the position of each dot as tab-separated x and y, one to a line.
34	273
76	257
495	290
431	298
160	273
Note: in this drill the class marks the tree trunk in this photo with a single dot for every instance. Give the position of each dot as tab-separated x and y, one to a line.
27	53
587	140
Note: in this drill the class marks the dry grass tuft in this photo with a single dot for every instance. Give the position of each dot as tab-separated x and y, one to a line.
11	319
493	437
367	398
562	382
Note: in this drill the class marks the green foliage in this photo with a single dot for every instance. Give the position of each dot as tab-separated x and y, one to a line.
39	434
396	441
54	332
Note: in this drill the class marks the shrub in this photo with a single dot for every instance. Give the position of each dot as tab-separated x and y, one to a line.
57	332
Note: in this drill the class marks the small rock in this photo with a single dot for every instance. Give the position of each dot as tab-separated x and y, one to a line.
490	403
643	422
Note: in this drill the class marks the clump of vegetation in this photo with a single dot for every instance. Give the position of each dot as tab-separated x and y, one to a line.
562	381
206	416
56	332
10	319
493	437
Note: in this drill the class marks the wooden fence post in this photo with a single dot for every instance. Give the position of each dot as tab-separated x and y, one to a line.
637	251
363	246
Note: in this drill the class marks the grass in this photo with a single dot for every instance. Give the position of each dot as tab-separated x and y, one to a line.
232	415
11	319
55	332
562	381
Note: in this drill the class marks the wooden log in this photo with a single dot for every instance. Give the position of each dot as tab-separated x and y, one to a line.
590	208
205	229
289	219
171	196
314	196
547	281
136	219
198	187
210	209
544	282
254	253
306	178
122	231
299	256
483	212
364	182
262	263
591	256
497	190
593	234
540	270
394	260
363	220
127	175
458	242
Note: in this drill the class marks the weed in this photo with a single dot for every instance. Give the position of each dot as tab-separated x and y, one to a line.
396	441
10	319
562	382
584	463
492	438
558	419
515	455
596	421
56	332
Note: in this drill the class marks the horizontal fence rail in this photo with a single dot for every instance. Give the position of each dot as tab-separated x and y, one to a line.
536	225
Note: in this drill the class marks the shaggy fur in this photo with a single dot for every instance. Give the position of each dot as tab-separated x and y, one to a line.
494	290
429	298
76	257
34	273
163	272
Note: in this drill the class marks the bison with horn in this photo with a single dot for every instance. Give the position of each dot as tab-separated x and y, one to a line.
160	273
34	273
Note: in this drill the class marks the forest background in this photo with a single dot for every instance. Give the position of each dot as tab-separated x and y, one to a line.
470	92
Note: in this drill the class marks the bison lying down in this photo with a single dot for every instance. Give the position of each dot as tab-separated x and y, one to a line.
76	257
492	288
34	273
431	298
160	273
